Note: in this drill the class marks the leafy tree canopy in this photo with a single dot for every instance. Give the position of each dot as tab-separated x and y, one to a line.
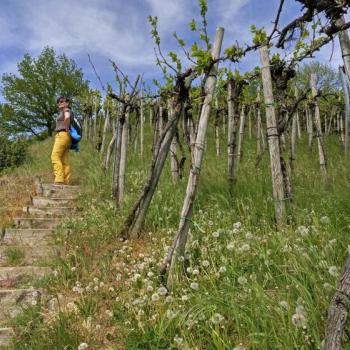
31	96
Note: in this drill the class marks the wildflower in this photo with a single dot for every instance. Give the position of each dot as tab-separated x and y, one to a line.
210	223
230	246
222	269
244	247
170	314
194	285
184	298
205	263
195	272
239	347
249	235
82	346
215	234
137	301
150	274
162	291
73	268
333	271
242	280
302	230
299	318
284	304
155	297
325	220
55	273
109	313
217	318
237	225
149	288
178	340
169	299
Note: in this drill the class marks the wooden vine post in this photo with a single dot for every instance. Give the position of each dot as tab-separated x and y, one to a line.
338	311
273	139
345	83
179	244
321	148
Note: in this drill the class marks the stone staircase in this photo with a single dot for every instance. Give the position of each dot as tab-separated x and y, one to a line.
23	250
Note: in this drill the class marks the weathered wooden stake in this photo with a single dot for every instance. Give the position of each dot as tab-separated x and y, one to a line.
273	139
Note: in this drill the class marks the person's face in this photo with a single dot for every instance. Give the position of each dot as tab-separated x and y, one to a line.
62	103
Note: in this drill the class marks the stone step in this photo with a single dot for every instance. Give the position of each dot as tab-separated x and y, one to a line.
26	235
37	222
49	211
25	254
12	276
6	335
52	191
12	301
51	202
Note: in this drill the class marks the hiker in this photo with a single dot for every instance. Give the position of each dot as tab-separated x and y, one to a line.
59	156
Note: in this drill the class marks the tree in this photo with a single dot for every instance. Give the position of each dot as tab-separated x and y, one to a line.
31	97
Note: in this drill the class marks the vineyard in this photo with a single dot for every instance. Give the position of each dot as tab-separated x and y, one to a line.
213	204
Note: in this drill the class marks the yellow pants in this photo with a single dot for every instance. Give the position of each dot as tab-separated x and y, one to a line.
59	157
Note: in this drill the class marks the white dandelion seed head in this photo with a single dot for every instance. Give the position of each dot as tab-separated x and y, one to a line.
222	269
82	346
333	271
299	320
230	246
217	318
194	285
244	247
205	263
215	234
284	304
162	291
302	231
325	220
242	280
237	225
155	297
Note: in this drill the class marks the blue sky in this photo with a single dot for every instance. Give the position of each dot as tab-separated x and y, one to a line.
119	30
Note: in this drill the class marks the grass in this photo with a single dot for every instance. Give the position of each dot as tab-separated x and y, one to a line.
247	286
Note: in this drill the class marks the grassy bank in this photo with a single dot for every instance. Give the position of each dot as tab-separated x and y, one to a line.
247	286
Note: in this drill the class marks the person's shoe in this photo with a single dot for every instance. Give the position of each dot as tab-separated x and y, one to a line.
58	184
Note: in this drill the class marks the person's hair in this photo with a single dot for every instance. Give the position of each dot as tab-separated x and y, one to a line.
67	99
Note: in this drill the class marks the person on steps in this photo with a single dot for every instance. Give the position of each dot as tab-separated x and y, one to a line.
59	156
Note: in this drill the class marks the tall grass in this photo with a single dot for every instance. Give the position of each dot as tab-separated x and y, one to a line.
246	286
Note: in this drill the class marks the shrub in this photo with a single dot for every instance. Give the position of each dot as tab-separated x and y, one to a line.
12	153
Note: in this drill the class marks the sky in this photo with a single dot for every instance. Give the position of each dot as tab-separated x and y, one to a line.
118	30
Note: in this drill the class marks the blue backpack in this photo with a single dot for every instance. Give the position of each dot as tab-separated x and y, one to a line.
76	132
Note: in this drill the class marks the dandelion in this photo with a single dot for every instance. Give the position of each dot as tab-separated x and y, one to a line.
284	304
155	297
333	271
82	346
178	340
195	272
184	297
217	318
299	320
194	285
237	225
230	246
205	263
162	291
169	299
222	269
150	274
325	220
170	314
109	313
215	234
239	347
302	231
249	235
189	270
244	247
327	286
149	288
242	280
